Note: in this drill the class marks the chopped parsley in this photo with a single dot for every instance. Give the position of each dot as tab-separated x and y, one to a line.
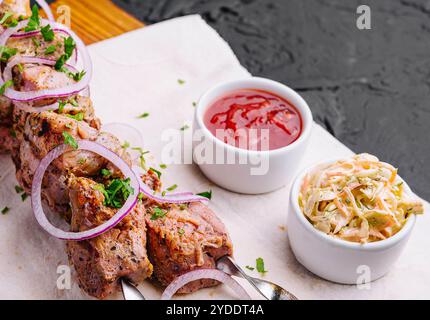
157	213
143	115
68	139
20	67
6	17
7	53
172	187
185	127
69	47
181	82
24	197
250	268
106	173
181	232
163	166
79	75
156	171
125	145
207	194
194	104
78	117
6	85
36	42
18	189
50	50
61	105
34	21
260	266
116	193
140	196
142	156
5	210
47	33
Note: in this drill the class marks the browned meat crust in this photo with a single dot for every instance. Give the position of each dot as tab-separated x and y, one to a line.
120	252
187	238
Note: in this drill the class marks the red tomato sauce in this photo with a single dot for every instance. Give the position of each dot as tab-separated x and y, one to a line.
248	112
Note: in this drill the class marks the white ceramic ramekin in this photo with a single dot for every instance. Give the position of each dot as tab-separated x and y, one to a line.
281	164
338	260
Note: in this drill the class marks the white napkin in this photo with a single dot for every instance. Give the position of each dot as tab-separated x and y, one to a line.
138	72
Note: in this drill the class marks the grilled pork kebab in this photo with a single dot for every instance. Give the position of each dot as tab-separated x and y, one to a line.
144	244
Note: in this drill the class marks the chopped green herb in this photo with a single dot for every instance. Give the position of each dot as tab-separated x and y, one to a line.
18	189
163	166
143	115
141	157
194	104
117	193
163	194
157	213
24	197
260	266
61	105
50	50
12	133
82	161
181	232
181	82
172	188
185	127
207	194
7	53
141	195
78	117
34	21
79	75
6	85
8	20
156	171
36	42
5	210
68	139
47	33
106	173
125	145
20	67
6	17
69	47
250	268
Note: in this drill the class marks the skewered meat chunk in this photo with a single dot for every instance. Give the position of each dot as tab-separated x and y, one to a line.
36	46
120	252
187	238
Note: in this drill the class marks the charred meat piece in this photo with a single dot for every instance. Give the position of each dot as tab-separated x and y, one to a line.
36	46
120	252
182	239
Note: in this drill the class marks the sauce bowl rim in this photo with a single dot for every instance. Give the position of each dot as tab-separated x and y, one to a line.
253	83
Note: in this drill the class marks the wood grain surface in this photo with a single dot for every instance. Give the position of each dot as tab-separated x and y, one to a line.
96	20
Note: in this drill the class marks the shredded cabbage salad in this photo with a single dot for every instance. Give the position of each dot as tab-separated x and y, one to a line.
359	200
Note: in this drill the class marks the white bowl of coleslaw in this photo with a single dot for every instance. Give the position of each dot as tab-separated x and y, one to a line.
352	254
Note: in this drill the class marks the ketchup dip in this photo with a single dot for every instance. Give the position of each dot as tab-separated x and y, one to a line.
268	120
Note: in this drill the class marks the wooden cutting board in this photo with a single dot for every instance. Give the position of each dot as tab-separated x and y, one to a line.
96	20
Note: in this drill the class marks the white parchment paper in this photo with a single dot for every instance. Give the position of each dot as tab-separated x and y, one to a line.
138	72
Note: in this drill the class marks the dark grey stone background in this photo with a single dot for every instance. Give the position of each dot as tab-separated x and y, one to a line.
369	88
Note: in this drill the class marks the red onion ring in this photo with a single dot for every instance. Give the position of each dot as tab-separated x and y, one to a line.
177	198
36	191
213	274
50	93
